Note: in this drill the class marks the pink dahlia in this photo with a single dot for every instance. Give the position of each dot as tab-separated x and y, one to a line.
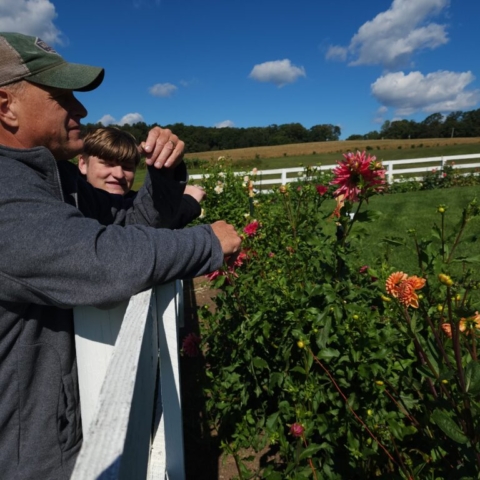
190	345
358	175
297	429
321	189
251	228
239	259
212	276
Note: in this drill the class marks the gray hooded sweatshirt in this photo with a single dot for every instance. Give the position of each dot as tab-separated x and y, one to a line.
64	243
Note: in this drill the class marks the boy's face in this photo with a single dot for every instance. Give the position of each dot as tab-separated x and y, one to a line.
108	175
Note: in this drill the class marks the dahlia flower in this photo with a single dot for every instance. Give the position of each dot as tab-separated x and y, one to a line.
297	429
321	189
400	285
190	345
251	228
359	175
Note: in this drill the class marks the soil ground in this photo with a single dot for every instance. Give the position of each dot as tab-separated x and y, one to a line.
203	456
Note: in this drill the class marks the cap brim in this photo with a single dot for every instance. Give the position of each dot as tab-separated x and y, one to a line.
70	76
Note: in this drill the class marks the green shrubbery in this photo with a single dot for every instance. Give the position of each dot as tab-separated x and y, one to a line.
340	370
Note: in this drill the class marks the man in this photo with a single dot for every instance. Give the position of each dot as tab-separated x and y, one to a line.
109	161
64	243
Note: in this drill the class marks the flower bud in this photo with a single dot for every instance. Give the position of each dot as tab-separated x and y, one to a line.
445	279
300	344
297	429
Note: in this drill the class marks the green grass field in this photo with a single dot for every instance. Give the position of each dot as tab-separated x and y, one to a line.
416	210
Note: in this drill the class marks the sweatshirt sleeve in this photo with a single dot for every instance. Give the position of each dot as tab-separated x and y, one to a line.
54	255
159	202
188	211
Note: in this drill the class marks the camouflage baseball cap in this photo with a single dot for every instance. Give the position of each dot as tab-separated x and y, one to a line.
29	58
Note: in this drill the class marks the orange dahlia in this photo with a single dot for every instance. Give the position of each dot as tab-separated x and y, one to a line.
393	282
400	285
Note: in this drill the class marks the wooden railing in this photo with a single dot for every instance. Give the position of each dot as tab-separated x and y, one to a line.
397	170
130	388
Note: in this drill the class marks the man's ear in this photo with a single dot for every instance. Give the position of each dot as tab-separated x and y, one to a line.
82	164
8	116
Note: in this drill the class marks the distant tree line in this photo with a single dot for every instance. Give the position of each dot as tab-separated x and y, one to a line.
455	124
204	139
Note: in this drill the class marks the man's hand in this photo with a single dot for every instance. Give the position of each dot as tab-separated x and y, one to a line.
162	148
229	238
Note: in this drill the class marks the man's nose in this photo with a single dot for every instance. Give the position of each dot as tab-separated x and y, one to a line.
78	108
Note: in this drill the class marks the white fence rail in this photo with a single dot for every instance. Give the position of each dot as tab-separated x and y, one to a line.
396	169
130	388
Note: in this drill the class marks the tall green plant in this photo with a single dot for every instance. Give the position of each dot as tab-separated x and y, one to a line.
310	356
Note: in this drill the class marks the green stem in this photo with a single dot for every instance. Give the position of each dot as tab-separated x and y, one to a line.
459	235
350	224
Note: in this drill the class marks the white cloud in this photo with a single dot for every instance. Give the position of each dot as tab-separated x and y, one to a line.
224	124
107	120
131	118
187	83
380	114
393	36
279	72
336	52
30	17
163	90
440	91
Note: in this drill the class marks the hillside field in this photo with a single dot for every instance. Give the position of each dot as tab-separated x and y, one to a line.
316	148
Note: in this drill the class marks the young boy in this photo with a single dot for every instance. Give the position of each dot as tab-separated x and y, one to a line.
109	161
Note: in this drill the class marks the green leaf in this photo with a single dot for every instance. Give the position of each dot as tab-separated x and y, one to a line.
426	372
311	450
272	420
276	379
472	378
397	241
368	216
259	363
448	426
474	259
324	334
328	353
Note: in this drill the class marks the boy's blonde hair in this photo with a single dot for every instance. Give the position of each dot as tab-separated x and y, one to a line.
112	144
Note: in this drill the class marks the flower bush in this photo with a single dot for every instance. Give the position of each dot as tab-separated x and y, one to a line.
341	370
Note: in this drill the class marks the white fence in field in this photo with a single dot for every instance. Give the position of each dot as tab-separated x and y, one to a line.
397	170
129	388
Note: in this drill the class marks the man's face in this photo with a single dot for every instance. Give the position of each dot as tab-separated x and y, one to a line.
50	117
112	176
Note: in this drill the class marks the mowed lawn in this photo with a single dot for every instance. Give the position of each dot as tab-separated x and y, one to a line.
418	211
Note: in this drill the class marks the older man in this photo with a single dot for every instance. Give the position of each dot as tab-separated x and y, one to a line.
64	243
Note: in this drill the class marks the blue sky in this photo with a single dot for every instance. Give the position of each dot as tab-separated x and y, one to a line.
223	63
